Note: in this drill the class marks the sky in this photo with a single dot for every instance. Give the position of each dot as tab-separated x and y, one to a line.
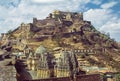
103	14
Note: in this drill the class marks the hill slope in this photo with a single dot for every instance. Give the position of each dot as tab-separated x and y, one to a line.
67	30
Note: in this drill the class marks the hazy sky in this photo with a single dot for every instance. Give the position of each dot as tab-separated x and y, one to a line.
104	14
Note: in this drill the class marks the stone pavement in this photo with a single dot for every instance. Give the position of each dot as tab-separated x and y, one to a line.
7	73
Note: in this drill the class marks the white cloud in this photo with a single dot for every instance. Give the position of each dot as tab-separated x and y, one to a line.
46	1
97	2
112	28
104	20
108	5
9	3
98	16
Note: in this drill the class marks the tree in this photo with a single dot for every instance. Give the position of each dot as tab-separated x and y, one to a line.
9	32
118	77
108	34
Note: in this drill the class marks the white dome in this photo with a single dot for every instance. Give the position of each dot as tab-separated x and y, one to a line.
40	50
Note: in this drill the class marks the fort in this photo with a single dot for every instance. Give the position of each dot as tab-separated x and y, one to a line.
57	22
63	46
57	25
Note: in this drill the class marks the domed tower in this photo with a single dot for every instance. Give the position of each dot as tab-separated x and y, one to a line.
44	63
62	68
66	65
40	51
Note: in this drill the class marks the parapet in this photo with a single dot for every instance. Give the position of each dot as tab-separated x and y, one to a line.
65	15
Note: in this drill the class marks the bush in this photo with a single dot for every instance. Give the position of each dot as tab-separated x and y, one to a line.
118	77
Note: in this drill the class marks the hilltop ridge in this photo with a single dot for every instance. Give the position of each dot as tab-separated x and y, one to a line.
66	30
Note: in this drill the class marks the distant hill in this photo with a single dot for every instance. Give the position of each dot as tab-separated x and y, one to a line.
67	30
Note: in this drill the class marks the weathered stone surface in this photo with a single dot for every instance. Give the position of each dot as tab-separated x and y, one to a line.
7	73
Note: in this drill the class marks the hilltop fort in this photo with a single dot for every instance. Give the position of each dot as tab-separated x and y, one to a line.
57	25
65	31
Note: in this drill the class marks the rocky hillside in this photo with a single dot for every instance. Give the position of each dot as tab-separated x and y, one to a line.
66	30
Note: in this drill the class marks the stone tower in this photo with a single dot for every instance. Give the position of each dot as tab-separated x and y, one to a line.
69	17
66	65
25	30
62	67
44	63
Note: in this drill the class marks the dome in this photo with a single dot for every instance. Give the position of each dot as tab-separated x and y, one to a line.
40	50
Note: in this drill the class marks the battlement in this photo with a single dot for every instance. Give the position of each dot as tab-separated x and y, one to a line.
59	17
70	16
